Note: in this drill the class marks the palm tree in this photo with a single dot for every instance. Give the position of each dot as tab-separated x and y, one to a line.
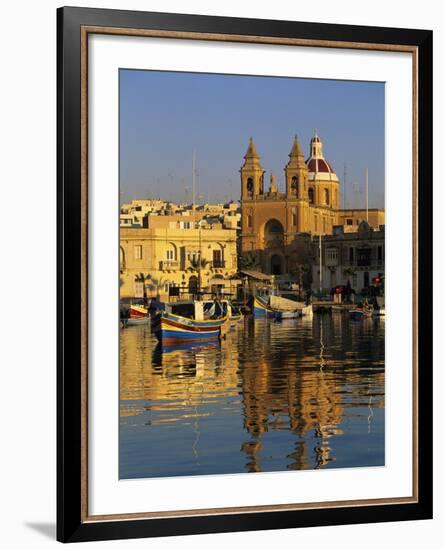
143	278
249	261
349	272
300	270
159	284
197	263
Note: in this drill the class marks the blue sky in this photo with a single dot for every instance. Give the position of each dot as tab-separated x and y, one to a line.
164	116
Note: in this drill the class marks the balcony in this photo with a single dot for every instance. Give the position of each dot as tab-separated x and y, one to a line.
218	264
168	265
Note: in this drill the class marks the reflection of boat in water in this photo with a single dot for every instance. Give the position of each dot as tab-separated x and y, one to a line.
183	346
361	311
279	308
191	321
134	314
379	307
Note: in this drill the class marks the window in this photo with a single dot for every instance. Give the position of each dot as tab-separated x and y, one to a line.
326	196
363	256
295	186
250	186
380	253
331	256
138	290
294	217
249	220
349	221
138	252
170	254
351	255
311	195
217	258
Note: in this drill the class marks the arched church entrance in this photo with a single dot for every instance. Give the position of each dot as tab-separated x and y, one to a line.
276	264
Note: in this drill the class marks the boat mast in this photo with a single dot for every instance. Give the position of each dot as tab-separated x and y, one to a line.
366	193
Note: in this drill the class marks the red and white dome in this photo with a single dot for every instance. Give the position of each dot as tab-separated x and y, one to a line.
319	169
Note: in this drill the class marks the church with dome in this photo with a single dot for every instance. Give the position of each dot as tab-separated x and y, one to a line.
275	222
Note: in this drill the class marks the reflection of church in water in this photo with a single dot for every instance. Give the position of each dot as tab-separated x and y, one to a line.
272	220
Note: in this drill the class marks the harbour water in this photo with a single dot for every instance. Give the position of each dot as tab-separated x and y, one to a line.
275	396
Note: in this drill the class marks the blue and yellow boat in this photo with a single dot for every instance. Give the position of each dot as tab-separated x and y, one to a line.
262	309
190	321
236	314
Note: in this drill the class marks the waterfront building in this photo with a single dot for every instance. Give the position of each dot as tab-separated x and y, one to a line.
132	214
176	251
358	257
273	221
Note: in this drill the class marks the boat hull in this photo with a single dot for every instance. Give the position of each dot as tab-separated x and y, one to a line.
171	329
260	309
134	321
359	313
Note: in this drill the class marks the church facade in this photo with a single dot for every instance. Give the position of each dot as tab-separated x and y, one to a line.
276	226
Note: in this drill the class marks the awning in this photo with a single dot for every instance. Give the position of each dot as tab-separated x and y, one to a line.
256	275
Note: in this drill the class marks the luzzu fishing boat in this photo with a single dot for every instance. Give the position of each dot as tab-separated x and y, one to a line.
137	315
276	307
191	321
361	311
262	309
236	314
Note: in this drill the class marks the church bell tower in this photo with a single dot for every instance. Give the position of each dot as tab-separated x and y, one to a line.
296	173
252	174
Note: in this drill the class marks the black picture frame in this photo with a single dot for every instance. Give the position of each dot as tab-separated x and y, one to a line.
71	525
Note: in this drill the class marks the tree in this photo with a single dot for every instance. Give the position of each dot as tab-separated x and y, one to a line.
197	263
349	272
143	278
299	270
250	261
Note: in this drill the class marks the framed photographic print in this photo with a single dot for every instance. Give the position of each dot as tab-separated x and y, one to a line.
245	265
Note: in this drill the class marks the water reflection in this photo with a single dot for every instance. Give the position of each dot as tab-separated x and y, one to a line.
300	394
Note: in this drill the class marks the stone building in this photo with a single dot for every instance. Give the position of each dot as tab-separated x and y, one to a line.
357	257
175	251
274	221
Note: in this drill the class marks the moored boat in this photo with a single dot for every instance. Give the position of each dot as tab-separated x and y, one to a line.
137	315
361	312
236	314
280	308
190	321
262	309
